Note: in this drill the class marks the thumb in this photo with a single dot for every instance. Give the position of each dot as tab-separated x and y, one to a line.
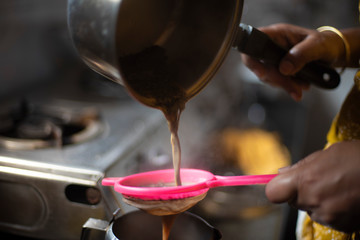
282	188
298	56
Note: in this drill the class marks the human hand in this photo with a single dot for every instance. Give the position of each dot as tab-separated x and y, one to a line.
305	45
326	185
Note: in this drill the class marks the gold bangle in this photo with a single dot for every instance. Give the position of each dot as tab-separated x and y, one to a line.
345	42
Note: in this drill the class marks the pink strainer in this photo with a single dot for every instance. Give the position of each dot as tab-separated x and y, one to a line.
159	185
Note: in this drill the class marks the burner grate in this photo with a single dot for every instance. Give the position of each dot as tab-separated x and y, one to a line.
27	127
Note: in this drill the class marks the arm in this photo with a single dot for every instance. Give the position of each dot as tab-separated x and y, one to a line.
353	37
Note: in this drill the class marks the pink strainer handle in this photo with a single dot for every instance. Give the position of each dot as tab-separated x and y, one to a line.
110	181
220	181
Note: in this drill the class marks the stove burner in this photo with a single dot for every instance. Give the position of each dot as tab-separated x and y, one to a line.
27	127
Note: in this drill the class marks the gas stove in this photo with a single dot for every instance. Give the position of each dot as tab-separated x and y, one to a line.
51	183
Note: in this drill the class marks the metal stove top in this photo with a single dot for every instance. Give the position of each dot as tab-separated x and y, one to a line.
56	189
119	128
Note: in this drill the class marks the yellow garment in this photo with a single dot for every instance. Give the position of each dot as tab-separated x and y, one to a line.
346	126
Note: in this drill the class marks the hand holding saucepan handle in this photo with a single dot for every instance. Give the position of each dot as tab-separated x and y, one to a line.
258	45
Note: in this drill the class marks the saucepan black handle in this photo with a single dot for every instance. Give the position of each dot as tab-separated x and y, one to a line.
258	45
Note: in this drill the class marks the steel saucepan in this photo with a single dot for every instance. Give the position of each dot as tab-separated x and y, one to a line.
182	42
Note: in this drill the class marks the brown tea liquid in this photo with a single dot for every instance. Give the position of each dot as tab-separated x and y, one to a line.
151	80
173	118
167	222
